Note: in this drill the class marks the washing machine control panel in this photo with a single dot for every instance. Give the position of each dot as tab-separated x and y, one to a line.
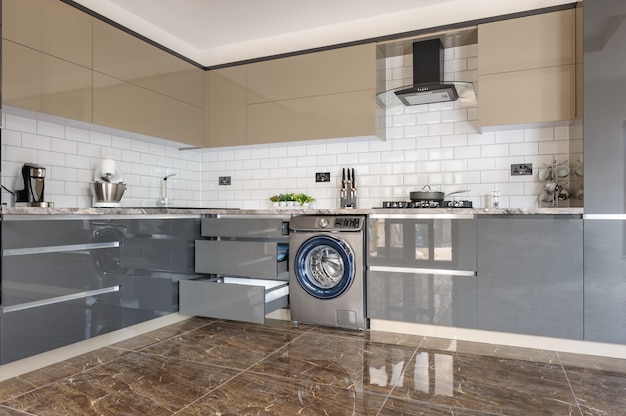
348	223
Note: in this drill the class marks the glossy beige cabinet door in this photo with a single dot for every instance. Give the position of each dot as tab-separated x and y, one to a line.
327	116
314	96
531	42
48	26
533	96
314	74
37	81
527	69
126	106
226	109
123	56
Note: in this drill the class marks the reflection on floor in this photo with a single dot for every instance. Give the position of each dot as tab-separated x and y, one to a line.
211	367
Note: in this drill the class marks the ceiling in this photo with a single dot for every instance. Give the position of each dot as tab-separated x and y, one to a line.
215	32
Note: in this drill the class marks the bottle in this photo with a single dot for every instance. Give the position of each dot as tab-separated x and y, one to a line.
495	198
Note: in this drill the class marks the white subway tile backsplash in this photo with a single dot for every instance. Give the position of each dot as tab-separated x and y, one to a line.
494	150
34	141
50	129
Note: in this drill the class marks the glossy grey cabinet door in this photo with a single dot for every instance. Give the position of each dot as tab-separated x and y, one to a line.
32	331
604	127
605	280
61	283
421	242
530	275
435	299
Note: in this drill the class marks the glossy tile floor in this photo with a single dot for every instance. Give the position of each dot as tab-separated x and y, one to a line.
210	367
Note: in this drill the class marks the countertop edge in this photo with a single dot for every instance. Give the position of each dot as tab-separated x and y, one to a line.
286	211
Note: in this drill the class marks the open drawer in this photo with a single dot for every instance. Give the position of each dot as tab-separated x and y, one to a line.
237	299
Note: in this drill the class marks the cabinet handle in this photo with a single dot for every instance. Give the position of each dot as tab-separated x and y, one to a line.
421	271
59	249
59	299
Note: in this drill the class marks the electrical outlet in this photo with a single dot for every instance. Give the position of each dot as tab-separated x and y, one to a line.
322	177
521	169
224	180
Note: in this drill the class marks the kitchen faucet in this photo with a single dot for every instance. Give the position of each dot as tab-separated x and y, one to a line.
164	199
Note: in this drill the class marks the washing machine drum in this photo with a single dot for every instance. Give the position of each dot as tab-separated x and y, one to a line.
324	266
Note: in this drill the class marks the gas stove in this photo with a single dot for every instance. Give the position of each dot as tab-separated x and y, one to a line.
427	204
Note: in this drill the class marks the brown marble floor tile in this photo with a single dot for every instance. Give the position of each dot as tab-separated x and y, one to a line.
276	396
593	362
394	338
490	350
598	392
54	372
158	335
397	407
137	384
229	345
349	362
5	411
487	384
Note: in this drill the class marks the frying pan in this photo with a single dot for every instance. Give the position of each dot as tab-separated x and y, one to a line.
427	194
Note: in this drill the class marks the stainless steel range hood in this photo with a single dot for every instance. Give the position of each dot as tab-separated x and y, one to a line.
428	86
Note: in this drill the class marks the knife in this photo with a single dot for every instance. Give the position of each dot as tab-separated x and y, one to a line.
353	180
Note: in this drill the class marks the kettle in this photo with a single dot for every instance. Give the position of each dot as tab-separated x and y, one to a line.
34	185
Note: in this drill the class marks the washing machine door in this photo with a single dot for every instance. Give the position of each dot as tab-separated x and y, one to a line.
324	266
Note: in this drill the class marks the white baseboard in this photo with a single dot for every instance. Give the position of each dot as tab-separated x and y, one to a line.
502	338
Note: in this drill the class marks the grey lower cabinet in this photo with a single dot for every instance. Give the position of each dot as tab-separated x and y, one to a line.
605	279
421	268
61	283
158	254
69	278
434	299
244	265
530	274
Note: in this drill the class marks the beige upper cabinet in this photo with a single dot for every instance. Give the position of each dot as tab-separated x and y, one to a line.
527	69
226	106
48	26
321	73
121	55
40	82
314	96
125	106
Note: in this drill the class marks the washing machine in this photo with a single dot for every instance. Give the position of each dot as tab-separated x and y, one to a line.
327	270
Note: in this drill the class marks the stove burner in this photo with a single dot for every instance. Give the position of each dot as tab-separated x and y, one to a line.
427	204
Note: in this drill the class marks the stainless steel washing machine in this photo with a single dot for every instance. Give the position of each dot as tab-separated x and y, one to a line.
327	267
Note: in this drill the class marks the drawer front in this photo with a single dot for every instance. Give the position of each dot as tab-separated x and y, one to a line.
424	243
241	258
434	299
237	302
244	227
35	330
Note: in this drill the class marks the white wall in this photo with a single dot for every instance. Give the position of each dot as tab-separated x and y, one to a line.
437	144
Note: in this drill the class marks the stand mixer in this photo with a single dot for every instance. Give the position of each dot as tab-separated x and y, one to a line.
108	186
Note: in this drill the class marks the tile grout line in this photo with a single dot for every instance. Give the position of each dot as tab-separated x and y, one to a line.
242	371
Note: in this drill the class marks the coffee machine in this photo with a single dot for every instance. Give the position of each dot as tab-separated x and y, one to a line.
33	193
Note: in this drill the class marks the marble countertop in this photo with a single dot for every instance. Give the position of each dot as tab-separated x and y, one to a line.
288	211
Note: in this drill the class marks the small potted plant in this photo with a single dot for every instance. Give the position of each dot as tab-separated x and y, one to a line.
304	200
290	199
275	199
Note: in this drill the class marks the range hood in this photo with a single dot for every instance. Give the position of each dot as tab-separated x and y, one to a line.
428	86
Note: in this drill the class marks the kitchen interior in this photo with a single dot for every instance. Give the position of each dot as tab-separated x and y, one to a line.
448	229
